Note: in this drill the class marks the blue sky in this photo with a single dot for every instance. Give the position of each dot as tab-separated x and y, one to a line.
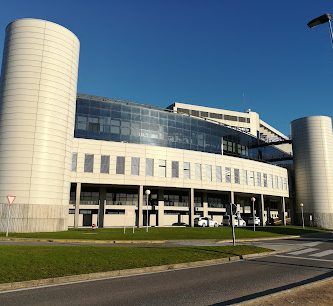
234	54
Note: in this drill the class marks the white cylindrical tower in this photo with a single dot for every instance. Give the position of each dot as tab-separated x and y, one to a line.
37	112
313	161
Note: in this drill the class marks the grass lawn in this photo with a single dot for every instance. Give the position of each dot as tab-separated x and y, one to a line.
19	263
170	233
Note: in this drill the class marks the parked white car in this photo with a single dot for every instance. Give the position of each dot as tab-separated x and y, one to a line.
205	222
256	221
238	220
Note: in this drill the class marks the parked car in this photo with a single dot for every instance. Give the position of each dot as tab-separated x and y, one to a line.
238	220
256	221
205	222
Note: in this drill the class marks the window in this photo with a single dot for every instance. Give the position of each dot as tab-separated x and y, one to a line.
198	172
162	168
88	163
120	166
285	184
149	167
204	114
105	164
74	162
259	179
237	176
135	166
265	180
276	182
175	169
230	118
209	173
270	181
187	170
215	116
228	175
245	180
251	178
280	183
218	174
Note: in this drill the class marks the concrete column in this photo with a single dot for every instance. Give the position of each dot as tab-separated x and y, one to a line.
284	211
205	204
160	199
102	199
77	205
191	192
140	206
262	209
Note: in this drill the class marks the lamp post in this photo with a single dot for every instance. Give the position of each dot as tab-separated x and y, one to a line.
232	224
301	205
147	196
253	199
320	20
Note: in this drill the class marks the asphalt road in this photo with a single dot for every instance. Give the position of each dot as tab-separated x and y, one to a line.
304	262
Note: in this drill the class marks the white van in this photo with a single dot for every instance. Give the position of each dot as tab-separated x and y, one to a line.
238	220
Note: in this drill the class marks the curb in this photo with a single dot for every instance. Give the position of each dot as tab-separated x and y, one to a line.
264	298
86	241
121	273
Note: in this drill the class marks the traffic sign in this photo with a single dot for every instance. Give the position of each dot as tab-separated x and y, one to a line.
11	199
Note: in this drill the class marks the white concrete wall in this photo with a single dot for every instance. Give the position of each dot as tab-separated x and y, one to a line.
313	160
38	96
114	149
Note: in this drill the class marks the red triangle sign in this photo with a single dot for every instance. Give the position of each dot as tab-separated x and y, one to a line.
11	199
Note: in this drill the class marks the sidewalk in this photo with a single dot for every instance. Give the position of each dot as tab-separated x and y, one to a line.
318	293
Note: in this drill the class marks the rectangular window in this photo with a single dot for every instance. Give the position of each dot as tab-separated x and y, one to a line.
285	184
270	182
105	164
265	180
276	184
149	167
89	163
245	179
74	162
174	169
237	176
280	183
259	179
187	170
120	166
208	173
198	172
162	168
251	178
228	175
135	166
218	174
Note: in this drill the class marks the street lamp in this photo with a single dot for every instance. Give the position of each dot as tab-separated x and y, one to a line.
147	196
253	199
232	224
301	205
320	20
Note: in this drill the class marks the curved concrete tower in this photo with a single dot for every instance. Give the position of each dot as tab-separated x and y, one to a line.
37	111
313	160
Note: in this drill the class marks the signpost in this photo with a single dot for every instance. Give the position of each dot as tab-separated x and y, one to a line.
10	200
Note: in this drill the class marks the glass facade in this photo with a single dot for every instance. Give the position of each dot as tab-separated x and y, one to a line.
123	121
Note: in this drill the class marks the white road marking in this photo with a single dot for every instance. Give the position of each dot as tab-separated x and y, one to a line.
304	258
312	244
303	251
323	253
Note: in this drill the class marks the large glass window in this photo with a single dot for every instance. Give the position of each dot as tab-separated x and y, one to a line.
120	166
187	170
228	175
74	162
175	169
270	181
135	166
162	168
149	167
245	178
265	179
105	164
259	179
237	176
89	163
